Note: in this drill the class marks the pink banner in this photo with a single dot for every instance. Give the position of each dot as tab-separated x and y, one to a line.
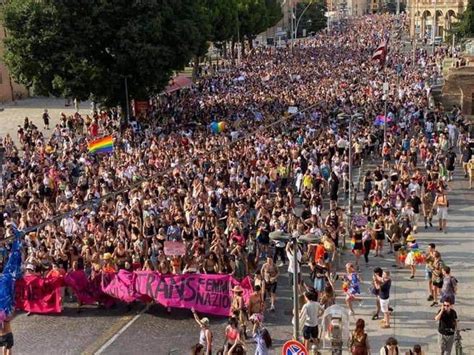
206	293
121	285
210	294
83	288
38	295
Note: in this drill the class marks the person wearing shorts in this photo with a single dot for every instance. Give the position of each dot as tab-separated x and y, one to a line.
384	297
441	202
437	276
270	274
310	312
6	337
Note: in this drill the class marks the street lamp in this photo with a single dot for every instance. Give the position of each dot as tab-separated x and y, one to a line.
285	237
385	97
126	99
301	16
356	116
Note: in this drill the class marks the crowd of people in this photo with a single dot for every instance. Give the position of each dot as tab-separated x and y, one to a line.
171	179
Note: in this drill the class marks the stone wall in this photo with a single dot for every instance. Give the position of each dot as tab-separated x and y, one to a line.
458	88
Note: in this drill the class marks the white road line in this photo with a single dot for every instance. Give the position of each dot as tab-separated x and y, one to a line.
120	332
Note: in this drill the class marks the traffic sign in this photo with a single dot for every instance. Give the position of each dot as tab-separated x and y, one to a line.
293	347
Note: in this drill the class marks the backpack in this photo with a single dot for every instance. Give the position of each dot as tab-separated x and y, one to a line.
267	338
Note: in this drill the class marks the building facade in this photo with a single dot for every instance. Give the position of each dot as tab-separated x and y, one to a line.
357	7
9	90
432	18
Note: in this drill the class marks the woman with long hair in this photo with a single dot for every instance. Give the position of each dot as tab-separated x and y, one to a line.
359	341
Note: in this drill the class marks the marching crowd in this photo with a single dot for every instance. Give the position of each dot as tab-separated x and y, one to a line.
170	179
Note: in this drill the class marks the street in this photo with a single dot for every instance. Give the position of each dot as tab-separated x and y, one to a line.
156	331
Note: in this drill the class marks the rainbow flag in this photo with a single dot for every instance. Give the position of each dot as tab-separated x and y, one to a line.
102	145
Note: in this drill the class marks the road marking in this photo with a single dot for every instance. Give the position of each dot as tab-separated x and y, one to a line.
120	332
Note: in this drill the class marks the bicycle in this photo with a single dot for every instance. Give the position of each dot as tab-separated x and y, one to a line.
458	340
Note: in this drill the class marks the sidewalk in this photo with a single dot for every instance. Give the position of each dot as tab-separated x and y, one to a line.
14	113
413	318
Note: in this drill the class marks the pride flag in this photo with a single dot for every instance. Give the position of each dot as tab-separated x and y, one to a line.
102	145
380	120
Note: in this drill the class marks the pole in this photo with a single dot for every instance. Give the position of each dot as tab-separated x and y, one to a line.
414	47
291	24
349	219
385	122
301	16
435	25
2	155
238	39
126	100
398	8
454	43
385	94
296	329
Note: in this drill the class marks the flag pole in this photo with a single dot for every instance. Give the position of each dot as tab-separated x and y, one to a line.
385	94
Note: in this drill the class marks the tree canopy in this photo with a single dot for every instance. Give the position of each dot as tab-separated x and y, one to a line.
87	49
255	16
62	49
465	27
313	18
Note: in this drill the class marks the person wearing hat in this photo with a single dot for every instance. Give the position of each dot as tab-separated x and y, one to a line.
238	308
410	261
205	335
108	263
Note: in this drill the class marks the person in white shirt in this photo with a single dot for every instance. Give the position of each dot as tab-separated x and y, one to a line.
291	262
309	314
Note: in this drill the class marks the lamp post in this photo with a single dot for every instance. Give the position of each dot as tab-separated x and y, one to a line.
435	24
126	99
296	329
385	96
280	236
350	197
300	17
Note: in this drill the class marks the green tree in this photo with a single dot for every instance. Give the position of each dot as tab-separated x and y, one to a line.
255	16
223	19
313	18
62	49
274	12
465	27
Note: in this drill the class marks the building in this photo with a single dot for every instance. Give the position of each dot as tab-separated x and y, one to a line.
357	7
424	22
9	90
375	6
281	31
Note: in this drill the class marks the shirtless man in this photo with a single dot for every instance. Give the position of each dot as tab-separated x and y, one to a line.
6	337
270	276
256	304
